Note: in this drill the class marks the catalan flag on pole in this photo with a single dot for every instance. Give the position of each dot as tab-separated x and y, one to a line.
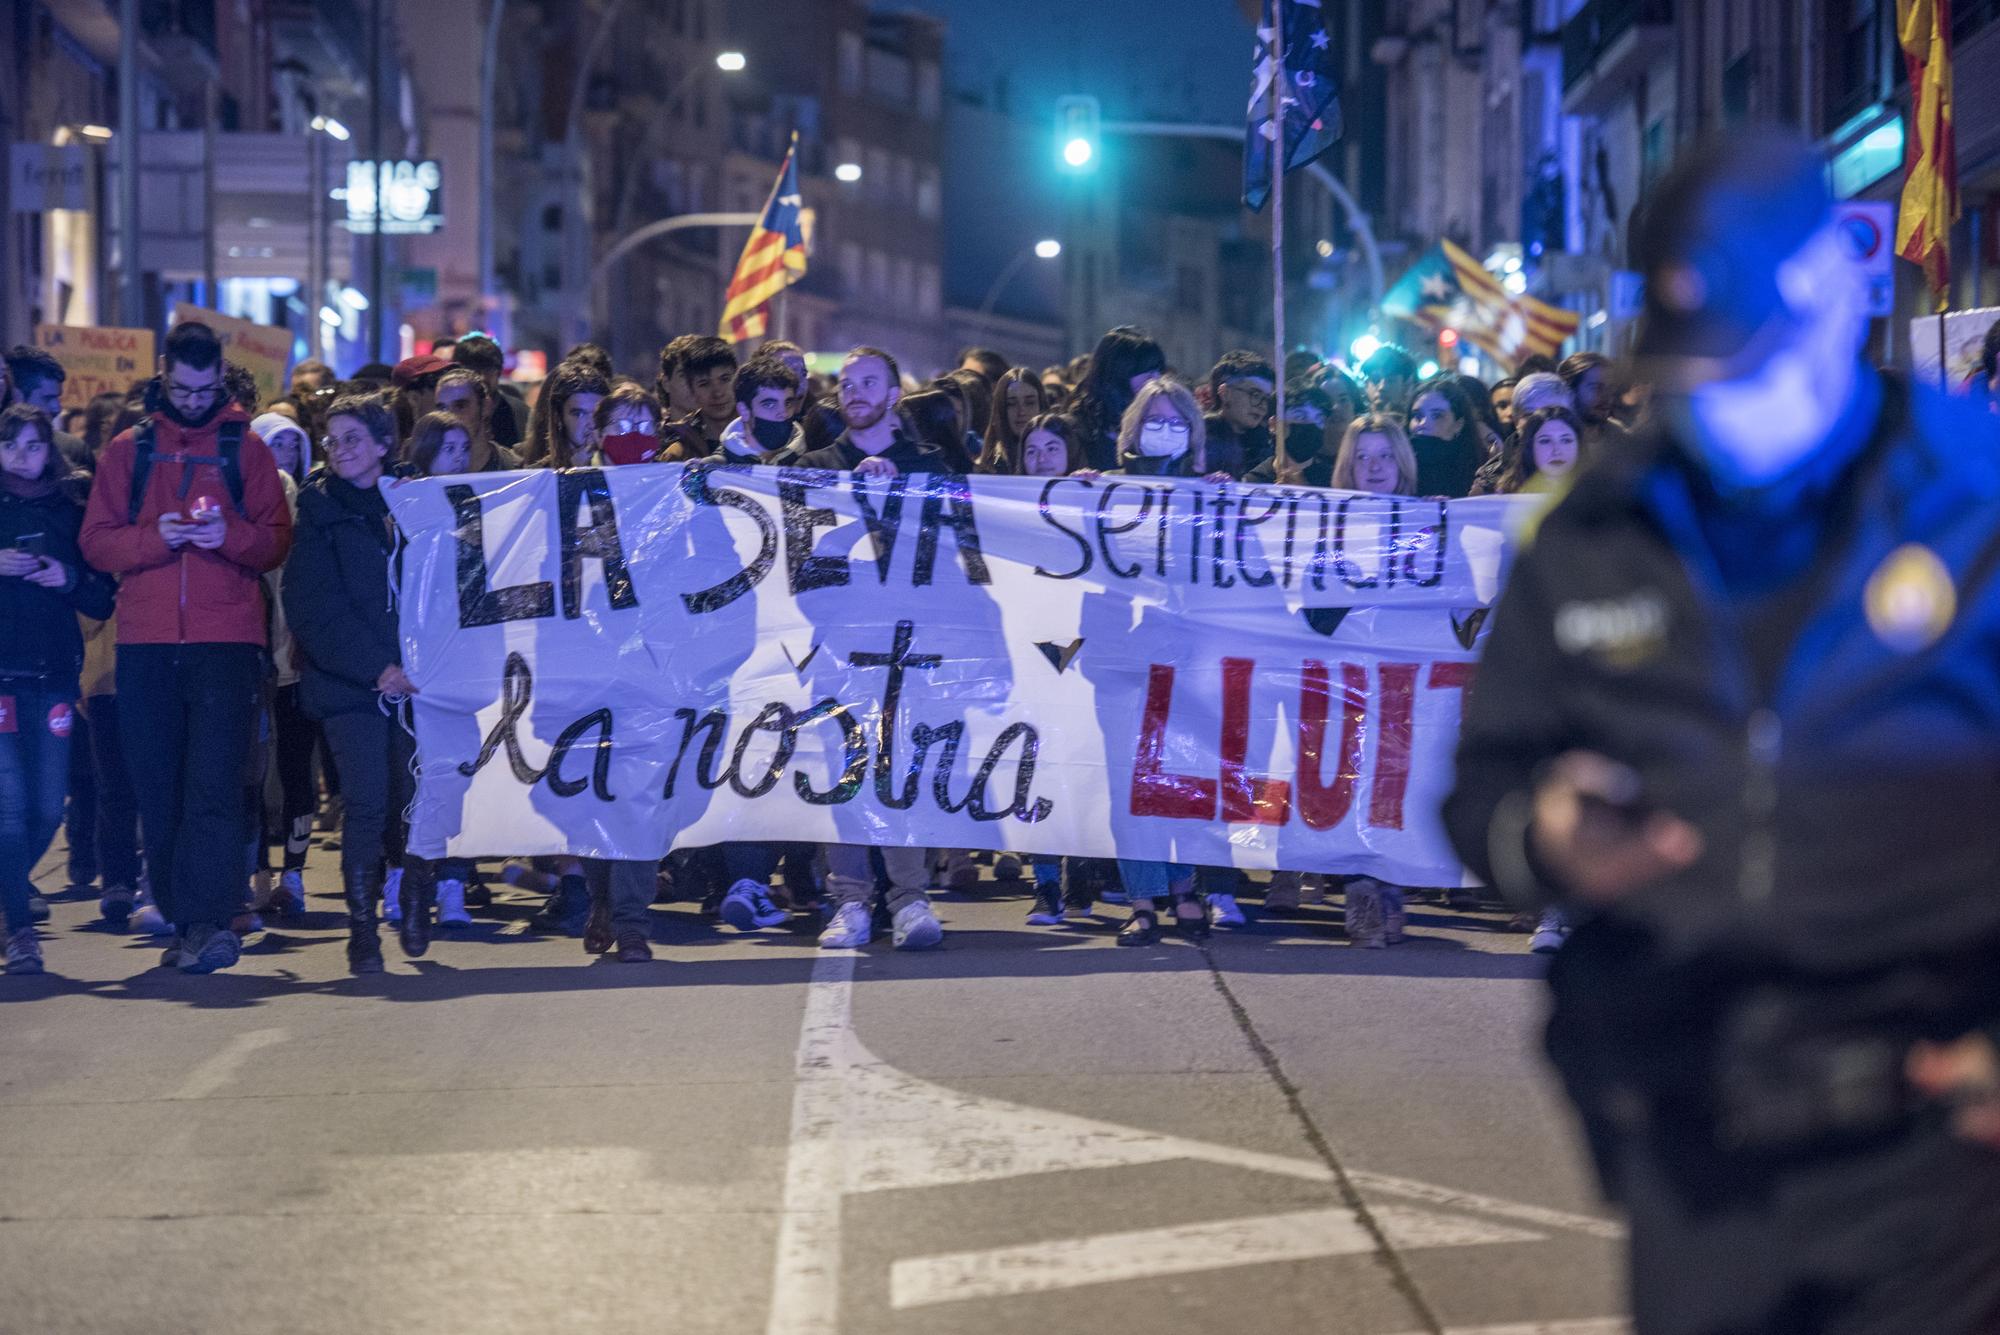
773	259
1930	159
1448	289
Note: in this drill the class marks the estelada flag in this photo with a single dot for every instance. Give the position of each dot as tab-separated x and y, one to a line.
773	258
1448	289
1308	95
1930	179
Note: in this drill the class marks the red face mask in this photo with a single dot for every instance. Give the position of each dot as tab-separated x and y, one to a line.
630	447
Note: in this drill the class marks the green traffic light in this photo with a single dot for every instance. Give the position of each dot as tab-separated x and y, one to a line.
1078	152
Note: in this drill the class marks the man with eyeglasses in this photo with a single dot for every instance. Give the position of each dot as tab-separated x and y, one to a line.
1239	434
187	509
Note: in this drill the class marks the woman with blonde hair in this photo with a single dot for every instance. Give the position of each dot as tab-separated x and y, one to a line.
1162	433
1376	456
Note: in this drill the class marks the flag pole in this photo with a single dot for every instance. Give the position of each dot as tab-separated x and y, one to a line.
1278	164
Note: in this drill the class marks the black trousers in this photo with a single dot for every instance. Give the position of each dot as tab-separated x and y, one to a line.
80	814
1897	1238
373	753
117	806
295	738
187	712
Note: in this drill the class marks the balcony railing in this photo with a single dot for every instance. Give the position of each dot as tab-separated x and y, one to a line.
1599	24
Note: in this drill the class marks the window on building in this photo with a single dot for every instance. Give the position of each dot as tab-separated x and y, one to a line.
930	290
905	293
875	172
850	266
905	178
878	274
851	59
929	97
930	198
889	76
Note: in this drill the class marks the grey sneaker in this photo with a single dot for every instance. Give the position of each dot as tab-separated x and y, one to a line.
115	905
1365	918
207	949
24	952
849	928
916	927
1550	932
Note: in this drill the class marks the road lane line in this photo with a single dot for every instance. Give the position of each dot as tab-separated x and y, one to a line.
1383	1184
1184	1249
218	1070
805	1283
1608	1325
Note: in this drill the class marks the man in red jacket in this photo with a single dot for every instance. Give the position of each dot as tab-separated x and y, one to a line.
188	512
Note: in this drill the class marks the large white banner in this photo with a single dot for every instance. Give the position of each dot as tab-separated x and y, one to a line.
614	662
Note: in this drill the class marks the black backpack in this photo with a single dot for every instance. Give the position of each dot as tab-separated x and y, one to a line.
228	443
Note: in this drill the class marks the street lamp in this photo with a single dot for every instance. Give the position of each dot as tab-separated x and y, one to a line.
850	172
730	62
1047	248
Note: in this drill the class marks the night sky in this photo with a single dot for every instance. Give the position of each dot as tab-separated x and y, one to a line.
1170	59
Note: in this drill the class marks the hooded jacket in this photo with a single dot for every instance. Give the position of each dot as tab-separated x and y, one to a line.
738	448
187	596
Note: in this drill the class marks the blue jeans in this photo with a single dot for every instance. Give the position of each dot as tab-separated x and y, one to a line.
1152	880
34	780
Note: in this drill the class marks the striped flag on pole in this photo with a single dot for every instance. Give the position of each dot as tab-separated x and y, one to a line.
1930	183
773	258
1449	289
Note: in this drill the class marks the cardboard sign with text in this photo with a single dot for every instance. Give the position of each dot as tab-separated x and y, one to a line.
98	361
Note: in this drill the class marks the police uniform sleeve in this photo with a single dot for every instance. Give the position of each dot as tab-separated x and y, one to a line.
1513	725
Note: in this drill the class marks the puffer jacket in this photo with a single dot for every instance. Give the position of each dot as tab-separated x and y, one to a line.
336	592
189	596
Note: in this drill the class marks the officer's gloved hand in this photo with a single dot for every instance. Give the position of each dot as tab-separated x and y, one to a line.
1966	1073
1595	835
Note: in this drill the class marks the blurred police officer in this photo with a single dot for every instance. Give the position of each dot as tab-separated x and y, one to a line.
1740	716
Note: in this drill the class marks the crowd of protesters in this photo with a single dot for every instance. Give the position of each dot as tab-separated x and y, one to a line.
247	692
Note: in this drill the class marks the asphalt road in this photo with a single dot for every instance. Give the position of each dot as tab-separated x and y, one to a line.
1027	1130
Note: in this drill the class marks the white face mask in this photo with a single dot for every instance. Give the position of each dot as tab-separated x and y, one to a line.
1163	440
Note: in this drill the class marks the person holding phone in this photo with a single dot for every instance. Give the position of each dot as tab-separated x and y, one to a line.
1739	714
44	583
187	510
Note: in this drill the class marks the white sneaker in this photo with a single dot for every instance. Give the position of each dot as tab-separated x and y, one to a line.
849	929
916	927
392	896
748	907
1550	932
451	904
147	920
290	896
1223	912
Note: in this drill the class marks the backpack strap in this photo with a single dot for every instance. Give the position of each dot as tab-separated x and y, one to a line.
142	468
229	444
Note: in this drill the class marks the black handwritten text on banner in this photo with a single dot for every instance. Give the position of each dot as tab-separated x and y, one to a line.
612	662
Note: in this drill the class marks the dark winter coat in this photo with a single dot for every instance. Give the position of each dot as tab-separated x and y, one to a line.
337	598
41	638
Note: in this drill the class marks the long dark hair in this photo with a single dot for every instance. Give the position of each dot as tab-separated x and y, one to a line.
1056	425
1446	387
1518	465
426	438
55	468
549	445
933	418
1100	401
1001	444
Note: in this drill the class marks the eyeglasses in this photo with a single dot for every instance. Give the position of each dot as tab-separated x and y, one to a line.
353	440
1255	394
1176	427
632	426
193	393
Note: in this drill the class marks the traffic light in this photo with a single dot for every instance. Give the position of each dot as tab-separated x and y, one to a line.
1077	132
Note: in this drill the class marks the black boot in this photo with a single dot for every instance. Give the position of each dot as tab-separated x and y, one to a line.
419	898
364	886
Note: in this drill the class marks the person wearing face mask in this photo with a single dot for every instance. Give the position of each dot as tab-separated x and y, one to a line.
188	511
627	425
1739	714
765	431
1308	463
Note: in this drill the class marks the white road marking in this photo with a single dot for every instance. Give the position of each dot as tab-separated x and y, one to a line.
1608	1325
218	1070
1383	1185
805	1284
1110	1258
861	1125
